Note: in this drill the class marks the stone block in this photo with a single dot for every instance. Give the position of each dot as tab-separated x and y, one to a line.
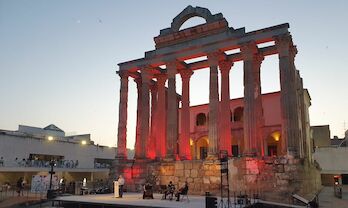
197	186
179	165
187	173
206	180
197	165
179	173
215	179
189	180
194	173
197	180
280	168
282	182
188	165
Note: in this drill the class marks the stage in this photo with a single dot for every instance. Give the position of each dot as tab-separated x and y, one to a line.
129	200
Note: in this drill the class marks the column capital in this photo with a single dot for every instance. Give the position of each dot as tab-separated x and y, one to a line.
138	80
123	74
283	44
248	50
225	66
153	87
161	78
146	76
215	56
258	58
186	73
172	67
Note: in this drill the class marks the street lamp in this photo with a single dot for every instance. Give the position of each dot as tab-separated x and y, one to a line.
50	193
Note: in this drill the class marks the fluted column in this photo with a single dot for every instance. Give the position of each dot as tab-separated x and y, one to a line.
253	113
289	105
122	116
145	112
138	141
151	147
225	110
213	133
184	143
172	116
161	117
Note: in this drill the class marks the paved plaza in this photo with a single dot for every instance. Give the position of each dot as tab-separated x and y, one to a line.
328	200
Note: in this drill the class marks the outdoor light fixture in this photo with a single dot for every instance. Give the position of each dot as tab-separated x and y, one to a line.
83	142
50	138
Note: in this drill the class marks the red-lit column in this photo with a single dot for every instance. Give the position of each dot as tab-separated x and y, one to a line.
225	111
122	116
138	142
161	117
172	116
184	143
289	105
253	116
151	147
145	112
213	133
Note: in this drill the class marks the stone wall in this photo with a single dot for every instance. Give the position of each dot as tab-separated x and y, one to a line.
275	178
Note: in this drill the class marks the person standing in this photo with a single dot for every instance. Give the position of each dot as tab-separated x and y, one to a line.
20	186
121	184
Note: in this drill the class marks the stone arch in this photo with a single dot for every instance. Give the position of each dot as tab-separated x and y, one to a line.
202	147
201	119
238	114
189	12
273	143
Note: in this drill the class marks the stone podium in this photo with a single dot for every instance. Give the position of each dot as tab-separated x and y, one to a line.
116	189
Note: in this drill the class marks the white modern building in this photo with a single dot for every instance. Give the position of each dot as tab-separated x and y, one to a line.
28	151
332	158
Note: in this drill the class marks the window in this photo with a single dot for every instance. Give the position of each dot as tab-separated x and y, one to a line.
238	114
201	119
235	150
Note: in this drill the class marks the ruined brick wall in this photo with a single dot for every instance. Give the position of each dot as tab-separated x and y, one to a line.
276	178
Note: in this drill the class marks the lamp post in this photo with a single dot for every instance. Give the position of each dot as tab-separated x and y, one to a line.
52	164
50	194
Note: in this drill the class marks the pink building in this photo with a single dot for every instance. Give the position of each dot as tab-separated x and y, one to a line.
271	130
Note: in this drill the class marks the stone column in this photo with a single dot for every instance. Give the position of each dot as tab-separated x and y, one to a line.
138	141
253	116
145	112
288	95
184	143
172	116
213	133
151	147
161	117
225	110
122	116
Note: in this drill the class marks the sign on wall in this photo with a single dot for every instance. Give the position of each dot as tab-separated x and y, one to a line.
41	183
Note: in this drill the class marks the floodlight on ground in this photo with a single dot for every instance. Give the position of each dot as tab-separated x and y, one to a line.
50	138
83	142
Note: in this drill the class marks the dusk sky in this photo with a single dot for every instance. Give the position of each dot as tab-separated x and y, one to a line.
58	58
